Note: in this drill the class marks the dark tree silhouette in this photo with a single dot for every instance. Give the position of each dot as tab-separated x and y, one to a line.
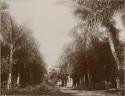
21	60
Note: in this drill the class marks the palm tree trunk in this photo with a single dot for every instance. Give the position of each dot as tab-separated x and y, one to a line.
9	82
113	44
18	80
86	80
89	79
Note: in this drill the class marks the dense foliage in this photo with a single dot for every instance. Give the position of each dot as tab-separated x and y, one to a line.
93	67
20	54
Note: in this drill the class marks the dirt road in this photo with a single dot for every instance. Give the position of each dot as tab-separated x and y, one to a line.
72	92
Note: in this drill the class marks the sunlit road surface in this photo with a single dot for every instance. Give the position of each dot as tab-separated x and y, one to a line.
73	92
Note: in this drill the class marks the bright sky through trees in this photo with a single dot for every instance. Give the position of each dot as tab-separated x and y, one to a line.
49	21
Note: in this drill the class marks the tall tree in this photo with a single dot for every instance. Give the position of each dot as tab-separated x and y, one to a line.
94	11
11	33
20	51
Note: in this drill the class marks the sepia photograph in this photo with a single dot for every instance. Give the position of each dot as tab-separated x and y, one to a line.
62	47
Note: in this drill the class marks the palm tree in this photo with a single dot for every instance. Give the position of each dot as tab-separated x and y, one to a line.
102	11
10	33
93	11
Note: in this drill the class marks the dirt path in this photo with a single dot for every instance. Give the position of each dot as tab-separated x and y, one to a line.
73	92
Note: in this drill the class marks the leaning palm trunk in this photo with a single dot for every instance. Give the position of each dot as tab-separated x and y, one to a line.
113	42
112	46
113	50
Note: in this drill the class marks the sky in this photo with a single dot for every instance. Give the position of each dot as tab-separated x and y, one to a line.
50	22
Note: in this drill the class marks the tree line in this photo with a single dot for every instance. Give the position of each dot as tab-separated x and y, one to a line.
96	54
94	67
21	62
